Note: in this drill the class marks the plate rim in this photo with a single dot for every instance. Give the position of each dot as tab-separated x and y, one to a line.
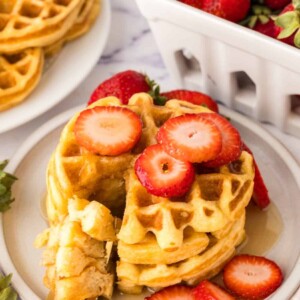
104	19
291	283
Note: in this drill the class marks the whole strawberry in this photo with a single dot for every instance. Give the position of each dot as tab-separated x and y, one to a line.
194	3
260	19
122	85
231	10
277	4
288	24
193	97
267	28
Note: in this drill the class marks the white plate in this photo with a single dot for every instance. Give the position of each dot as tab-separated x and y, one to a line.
69	69
20	225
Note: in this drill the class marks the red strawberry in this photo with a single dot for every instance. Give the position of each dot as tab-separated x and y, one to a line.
207	290
163	175
232	10
277	4
190	137
194	3
288	24
175	292
231	141
252	277
122	85
193	97
108	130
267	28
260	192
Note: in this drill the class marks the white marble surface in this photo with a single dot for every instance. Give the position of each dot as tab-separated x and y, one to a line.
130	46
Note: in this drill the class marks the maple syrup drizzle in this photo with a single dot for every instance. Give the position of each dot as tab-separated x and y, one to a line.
263	229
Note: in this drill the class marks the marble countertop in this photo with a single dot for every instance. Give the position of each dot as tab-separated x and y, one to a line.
131	45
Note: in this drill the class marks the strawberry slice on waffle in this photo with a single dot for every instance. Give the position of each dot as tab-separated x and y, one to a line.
163	175
108	130
190	137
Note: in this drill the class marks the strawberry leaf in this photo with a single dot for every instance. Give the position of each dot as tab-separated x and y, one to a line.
289	21
6	182
297	39
155	92
296	4
6	291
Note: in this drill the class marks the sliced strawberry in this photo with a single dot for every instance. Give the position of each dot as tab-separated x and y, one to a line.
190	137
163	175
231	141
252	277
192	97
207	290
260	191
108	130
175	292
122	85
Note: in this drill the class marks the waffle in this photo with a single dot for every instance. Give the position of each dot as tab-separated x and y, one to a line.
35	23
75	171
19	74
83	23
214	200
183	240
206	264
75	252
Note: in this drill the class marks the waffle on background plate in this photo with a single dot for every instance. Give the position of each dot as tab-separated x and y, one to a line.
31	30
159	242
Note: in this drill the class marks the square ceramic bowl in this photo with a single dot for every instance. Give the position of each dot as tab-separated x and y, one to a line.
245	70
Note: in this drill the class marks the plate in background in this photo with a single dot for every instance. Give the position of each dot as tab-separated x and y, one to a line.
71	66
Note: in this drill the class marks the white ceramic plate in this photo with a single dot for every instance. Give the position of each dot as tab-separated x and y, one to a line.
20	225
68	70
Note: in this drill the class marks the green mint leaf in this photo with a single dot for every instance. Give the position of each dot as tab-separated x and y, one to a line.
3	164
6	182
6	291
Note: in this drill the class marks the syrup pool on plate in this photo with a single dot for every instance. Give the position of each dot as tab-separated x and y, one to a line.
263	228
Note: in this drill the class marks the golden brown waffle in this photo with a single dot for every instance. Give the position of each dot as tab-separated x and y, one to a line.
75	171
75	252
214	200
19	74
83	23
160	242
206	264
35	23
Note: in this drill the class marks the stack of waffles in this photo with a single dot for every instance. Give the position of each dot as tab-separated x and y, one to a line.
31	30
160	242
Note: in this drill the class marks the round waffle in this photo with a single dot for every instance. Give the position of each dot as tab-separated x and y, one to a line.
205	264
160	242
83	23
75	171
35	23
19	74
